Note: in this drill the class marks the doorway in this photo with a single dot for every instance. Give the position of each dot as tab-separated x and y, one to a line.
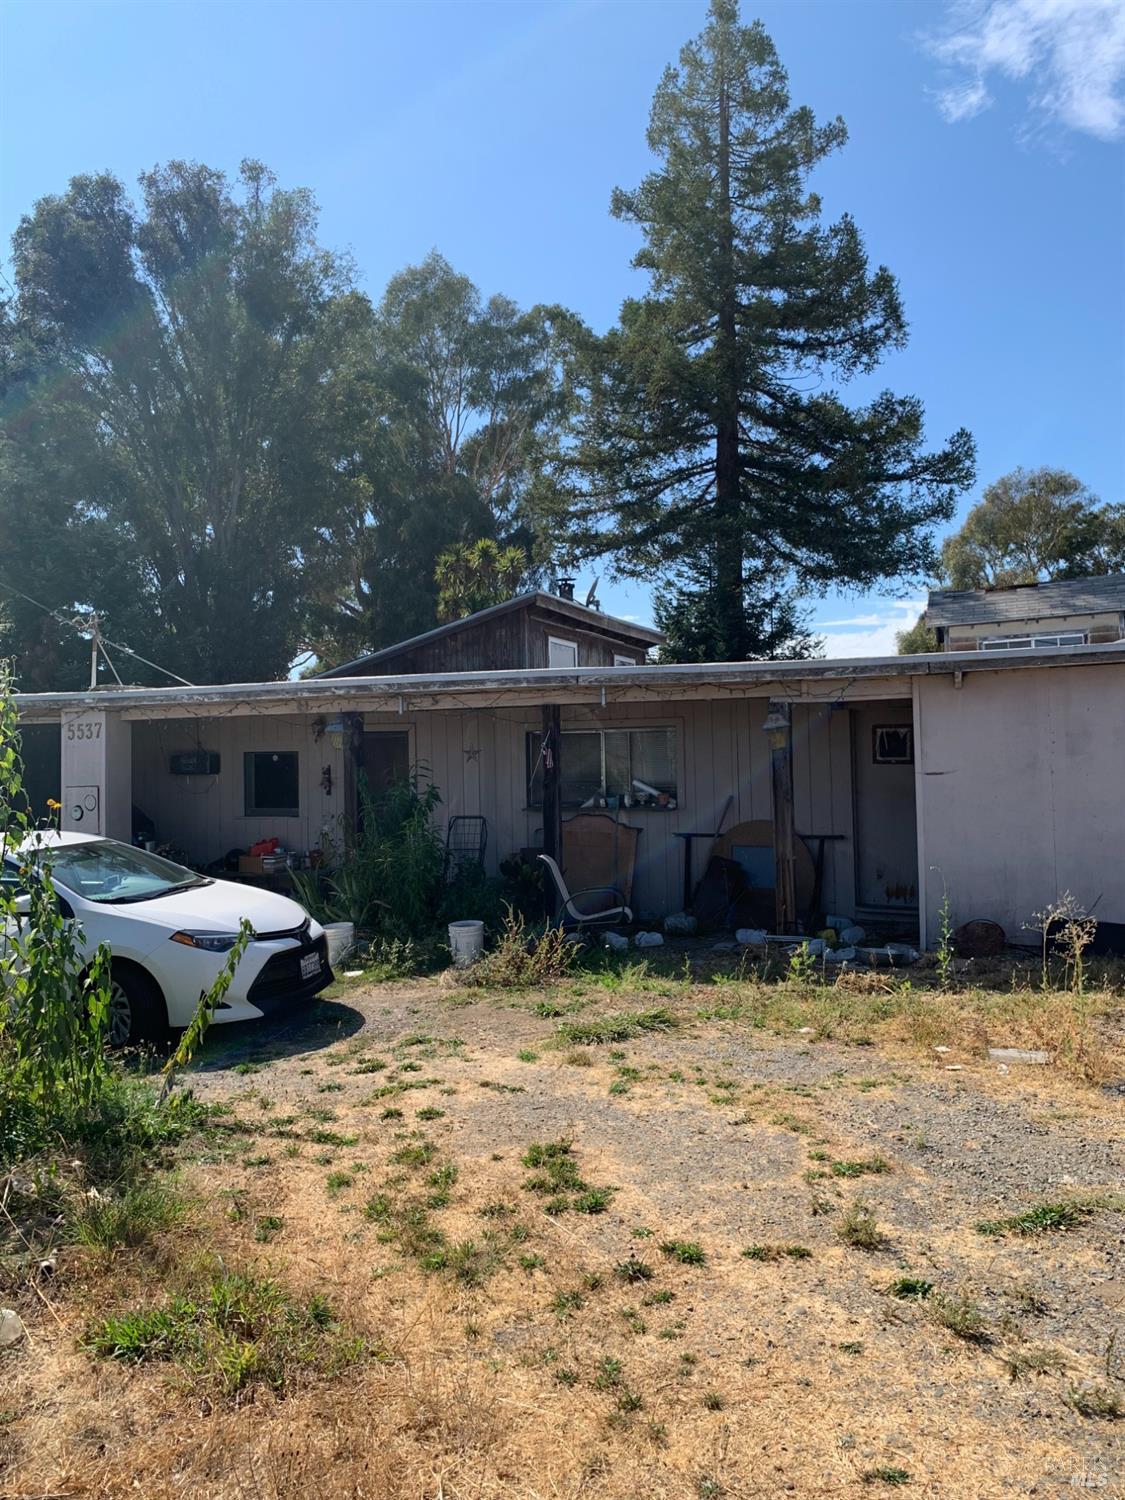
886	829
386	758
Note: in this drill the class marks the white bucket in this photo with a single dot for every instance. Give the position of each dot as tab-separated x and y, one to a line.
466	943
341	941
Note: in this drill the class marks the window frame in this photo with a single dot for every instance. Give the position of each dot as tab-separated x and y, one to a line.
1041	640
533	741
250	808
889	760
560	640
621	660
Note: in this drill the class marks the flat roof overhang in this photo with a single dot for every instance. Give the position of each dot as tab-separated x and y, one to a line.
795	681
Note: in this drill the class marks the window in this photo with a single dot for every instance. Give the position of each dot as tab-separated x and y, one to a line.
637	767
561	653
1022	642
893	745
272	783
624	661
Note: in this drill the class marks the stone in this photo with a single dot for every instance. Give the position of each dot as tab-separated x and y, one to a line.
815	947
616	940
681	923
649	940
752	937
1019	1055
724	945
852	935
11	1328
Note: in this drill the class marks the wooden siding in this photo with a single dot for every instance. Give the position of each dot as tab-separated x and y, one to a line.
477	759
203	815
514	640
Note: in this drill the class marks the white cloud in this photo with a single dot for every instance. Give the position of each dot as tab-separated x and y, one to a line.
870	634
1071	53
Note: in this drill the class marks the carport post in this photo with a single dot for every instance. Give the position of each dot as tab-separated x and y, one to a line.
779	727
550	749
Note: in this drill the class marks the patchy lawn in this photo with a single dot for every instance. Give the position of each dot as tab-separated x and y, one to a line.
631	1236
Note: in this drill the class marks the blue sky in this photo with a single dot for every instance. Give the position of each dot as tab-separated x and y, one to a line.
985	169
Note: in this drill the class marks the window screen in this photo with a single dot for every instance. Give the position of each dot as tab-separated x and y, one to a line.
561	653
1022	642
635	763
272	783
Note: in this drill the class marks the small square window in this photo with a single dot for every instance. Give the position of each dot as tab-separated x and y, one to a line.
272	783
624	661
893	745
561	653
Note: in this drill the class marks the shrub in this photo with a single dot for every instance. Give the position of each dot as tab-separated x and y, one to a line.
858	1227
522	959
598	1030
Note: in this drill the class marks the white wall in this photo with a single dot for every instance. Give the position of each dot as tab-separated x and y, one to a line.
1021	792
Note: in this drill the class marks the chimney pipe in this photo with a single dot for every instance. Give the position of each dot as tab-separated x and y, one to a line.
565	588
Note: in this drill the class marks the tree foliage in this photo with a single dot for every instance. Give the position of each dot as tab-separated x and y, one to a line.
198	344
917	640
706	436
474	575
463	391
1033	525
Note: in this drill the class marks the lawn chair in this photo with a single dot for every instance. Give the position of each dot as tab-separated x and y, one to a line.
572	915
466	839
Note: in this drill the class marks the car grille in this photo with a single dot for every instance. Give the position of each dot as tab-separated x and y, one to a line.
290	932
280	976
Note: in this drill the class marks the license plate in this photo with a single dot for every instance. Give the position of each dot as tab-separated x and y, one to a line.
310	965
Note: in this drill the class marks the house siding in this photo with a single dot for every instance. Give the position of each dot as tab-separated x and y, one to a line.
1021	793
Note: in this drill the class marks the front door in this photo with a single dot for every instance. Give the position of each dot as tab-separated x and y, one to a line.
386	758
886	830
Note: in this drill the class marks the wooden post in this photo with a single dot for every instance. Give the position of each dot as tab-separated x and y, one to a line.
779	727
552	794
353	769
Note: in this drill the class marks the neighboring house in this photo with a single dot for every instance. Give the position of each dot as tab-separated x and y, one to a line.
1066	612
992	776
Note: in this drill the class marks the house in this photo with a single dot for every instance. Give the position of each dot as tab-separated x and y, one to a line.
992	776
1064	612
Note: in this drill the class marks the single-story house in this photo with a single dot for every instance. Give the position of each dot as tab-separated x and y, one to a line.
993	776
1063	612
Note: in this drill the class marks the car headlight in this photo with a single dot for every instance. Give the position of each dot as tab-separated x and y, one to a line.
210	942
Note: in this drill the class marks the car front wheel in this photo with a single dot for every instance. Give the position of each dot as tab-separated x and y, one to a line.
136	1008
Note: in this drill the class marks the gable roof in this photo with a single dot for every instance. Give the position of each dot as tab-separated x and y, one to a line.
1027	601
578	614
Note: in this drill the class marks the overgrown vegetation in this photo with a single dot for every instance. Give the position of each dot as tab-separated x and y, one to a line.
234	1332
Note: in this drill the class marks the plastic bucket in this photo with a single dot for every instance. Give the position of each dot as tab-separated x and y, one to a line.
341	941
466	943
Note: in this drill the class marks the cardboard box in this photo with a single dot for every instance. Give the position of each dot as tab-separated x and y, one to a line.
260	864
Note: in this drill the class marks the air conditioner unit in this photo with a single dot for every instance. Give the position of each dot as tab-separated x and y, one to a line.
195	763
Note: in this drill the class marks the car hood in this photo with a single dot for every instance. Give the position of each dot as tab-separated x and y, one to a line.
218	907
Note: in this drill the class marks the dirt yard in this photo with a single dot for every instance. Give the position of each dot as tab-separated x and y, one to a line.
756	1270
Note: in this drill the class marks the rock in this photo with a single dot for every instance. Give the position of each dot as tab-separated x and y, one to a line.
724	945
616	940
11	1328
815	947
1018	1055
681	923
979	939
649	940
752	937
852	935
942	1049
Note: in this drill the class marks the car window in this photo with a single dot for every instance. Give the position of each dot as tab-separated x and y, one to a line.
114	873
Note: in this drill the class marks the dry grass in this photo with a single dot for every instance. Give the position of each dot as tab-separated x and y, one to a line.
522	1352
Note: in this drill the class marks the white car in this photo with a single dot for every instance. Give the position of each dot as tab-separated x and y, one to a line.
170	930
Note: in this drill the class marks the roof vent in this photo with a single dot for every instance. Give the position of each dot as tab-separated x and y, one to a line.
564	588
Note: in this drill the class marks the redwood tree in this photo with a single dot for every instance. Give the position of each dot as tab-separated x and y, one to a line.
708	445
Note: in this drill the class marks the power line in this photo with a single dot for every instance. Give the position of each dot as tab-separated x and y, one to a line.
77	622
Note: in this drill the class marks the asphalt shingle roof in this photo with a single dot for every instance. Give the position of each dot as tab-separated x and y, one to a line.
1031	601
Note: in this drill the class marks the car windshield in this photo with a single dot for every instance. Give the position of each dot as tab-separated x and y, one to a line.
115	873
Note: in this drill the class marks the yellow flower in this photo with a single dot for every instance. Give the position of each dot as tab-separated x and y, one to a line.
53	805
